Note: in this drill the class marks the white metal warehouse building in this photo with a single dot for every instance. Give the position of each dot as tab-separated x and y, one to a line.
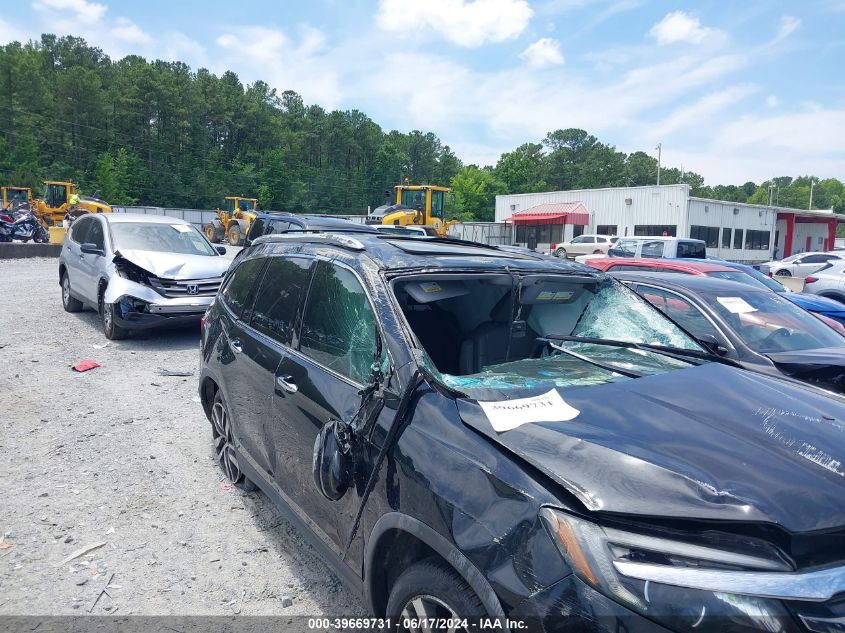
732	230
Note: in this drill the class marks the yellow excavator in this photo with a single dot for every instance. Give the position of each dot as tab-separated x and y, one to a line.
16	196
58	201
232	222
415	205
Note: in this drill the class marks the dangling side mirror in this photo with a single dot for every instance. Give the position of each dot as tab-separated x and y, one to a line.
332	460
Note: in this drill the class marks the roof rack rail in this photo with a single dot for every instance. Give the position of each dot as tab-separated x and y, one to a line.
343	241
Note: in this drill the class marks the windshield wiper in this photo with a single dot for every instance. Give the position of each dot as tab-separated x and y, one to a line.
597	363
678	353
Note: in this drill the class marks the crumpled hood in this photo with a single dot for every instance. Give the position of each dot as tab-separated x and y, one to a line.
709	442
176	265
813	303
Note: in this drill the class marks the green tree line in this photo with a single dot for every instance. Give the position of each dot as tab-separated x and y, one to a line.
158	133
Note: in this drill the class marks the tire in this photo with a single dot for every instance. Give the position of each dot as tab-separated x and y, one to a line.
432	589
210	231
783	273
560	252
224	444
597	252
233	235
111	329
69	302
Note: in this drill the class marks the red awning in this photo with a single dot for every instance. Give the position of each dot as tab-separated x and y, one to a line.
553	213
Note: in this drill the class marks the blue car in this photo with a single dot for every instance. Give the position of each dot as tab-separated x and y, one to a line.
812	303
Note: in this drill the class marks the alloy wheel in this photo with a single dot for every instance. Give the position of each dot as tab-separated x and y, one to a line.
224	442
427	607
65	291
107	316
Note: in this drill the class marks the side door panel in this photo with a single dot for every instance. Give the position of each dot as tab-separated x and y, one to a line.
265	344
320	382
73	257
90	265
243	357
298	418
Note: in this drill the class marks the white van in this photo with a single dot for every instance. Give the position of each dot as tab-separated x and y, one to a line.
659	247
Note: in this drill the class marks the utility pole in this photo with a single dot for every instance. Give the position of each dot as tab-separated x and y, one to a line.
659	149
812	184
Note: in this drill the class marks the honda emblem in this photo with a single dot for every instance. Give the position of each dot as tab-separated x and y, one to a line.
193	289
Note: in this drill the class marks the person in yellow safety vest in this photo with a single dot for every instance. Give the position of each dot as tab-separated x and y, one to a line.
70	214
73	200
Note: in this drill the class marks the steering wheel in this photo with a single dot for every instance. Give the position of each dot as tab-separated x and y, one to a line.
779	333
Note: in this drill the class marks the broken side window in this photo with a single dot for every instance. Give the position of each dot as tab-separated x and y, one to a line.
339	326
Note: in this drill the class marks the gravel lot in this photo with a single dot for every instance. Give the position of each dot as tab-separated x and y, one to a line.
120	457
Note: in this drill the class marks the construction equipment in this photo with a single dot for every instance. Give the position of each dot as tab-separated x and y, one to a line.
415	205
60	199
16	196
232	222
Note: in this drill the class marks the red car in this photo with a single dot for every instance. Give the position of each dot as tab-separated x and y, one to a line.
628	264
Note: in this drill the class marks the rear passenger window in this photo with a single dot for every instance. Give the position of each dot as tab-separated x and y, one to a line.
339	327
237	293
278	298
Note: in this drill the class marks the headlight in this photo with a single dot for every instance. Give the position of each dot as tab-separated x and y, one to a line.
682	586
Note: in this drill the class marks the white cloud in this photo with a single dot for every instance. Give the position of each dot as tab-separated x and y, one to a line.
83	12
788	25
772	101
128	32
543	52
680	27
700	111
462	22
269	54
9	33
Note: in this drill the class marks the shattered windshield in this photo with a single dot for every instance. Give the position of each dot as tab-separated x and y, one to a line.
505	332
160	237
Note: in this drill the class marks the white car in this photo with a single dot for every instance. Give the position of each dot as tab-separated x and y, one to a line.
585	245
800	265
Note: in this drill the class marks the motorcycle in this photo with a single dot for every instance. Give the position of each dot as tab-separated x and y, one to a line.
22	225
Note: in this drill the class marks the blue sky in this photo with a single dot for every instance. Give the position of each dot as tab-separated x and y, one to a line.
733	90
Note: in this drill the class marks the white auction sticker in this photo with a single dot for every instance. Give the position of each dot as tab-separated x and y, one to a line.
737	305
509	414
182	228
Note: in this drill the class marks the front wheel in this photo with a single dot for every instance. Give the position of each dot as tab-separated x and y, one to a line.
783	273
111	329
234	234
561	252
211	233
431	589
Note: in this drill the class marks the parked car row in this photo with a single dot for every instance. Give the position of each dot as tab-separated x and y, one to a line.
470	432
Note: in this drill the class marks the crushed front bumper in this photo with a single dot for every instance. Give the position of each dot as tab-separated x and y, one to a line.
139	307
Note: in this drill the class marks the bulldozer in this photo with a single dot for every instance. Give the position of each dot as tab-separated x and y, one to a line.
56	204
232	222
415	205
16	196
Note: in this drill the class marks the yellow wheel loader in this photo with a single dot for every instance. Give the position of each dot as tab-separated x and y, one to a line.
415	205
16	196
61	198
232	222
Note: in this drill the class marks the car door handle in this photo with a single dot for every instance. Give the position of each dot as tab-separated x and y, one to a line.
235	346
287	383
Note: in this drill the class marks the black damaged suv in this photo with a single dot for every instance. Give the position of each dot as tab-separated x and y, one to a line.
466	432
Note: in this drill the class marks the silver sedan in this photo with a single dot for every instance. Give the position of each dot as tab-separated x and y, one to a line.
139	271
